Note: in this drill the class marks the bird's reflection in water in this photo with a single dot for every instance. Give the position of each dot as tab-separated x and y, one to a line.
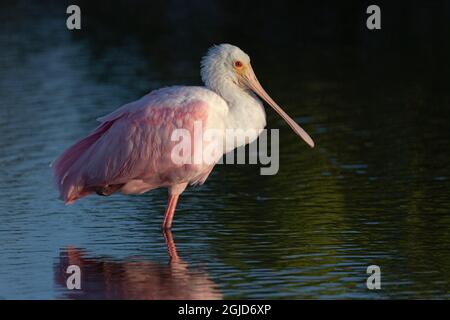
103	278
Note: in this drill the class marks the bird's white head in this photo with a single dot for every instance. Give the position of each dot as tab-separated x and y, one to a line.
221	66
226	68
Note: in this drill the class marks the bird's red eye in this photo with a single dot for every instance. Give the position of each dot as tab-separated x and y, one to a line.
238	64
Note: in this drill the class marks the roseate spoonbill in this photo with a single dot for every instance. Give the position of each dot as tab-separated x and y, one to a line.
131	150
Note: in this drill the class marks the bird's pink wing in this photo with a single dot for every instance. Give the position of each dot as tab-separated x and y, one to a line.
131	143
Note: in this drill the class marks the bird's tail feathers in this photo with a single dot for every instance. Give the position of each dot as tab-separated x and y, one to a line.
68	173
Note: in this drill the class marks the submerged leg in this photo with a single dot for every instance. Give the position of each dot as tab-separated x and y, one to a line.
174	194
171	248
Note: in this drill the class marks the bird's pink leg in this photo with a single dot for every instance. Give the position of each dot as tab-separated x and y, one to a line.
174	194
171	205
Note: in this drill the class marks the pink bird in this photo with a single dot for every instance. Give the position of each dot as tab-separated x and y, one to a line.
132	150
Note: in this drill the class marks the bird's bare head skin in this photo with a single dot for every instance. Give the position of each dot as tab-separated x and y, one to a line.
227	62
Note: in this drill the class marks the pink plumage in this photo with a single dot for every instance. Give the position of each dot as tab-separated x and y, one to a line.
132	147
131	151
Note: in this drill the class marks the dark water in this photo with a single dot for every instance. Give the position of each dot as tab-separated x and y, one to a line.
375	190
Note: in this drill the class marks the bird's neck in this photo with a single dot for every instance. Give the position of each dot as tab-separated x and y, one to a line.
246	117
245	109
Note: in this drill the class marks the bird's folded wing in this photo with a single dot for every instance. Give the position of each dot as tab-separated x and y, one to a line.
133	144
